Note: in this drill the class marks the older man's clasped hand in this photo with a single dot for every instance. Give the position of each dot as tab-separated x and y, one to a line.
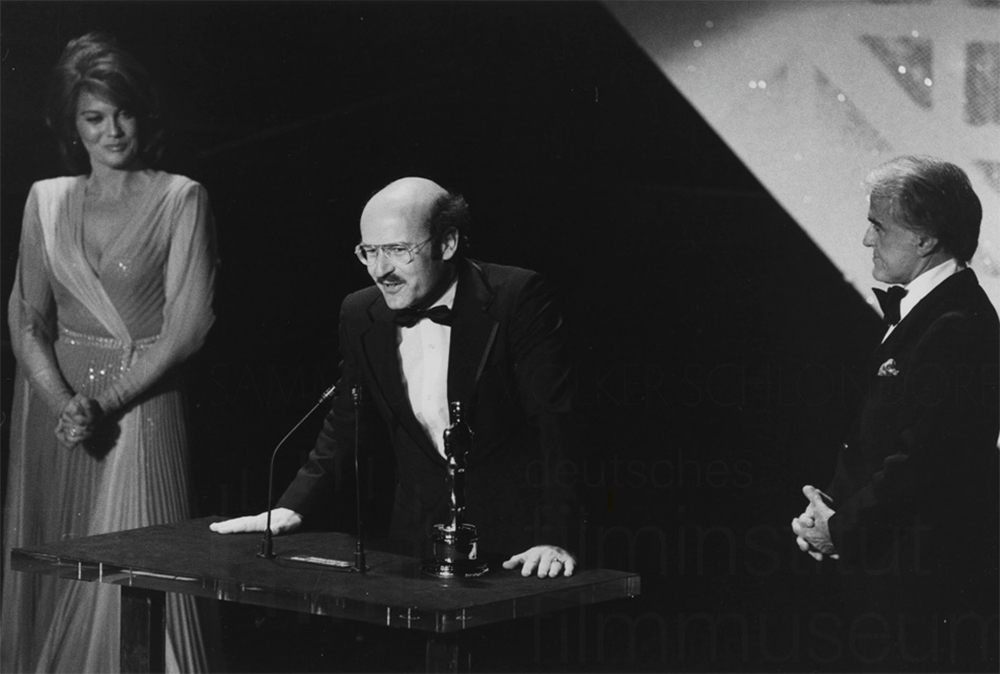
811	528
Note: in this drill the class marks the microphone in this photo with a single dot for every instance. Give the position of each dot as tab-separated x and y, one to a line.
267	545
359	552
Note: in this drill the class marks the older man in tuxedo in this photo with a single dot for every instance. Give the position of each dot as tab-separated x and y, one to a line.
439	327
911	512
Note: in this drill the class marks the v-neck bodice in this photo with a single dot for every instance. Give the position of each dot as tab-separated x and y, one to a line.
154	277
131	273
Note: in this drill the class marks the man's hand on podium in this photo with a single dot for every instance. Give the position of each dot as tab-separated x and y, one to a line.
549	560
283	521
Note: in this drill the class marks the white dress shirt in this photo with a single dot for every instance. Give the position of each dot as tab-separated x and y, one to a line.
423	359
920	287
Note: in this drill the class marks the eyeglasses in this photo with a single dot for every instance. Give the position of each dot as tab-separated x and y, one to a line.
397	253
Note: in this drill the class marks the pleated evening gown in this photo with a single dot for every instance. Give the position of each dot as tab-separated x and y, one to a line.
123	320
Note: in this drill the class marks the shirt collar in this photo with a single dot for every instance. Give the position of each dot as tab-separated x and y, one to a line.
920	287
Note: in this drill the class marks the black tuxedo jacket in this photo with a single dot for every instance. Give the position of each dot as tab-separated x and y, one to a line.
915	488
508	365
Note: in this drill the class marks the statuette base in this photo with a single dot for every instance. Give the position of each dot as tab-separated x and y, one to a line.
455	551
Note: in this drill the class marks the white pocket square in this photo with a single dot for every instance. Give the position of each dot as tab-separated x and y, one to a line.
888	369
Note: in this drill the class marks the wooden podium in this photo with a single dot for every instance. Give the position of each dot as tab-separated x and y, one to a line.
189	558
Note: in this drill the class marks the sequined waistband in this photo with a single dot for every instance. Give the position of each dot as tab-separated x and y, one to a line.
103	342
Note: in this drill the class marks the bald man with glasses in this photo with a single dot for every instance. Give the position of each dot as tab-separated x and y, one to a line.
437	327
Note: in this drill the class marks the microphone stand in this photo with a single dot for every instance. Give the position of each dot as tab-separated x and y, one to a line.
359	552
267	545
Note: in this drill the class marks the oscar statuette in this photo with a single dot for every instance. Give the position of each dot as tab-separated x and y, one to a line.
454	545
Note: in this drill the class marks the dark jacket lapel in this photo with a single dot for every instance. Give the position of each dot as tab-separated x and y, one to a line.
473	332
950	294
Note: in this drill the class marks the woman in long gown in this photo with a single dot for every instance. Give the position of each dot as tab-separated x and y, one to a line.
113	292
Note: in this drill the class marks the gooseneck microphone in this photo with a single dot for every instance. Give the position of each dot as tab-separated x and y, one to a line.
267	545
359	552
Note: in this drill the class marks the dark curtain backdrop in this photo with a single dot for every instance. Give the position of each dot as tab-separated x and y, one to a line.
716	343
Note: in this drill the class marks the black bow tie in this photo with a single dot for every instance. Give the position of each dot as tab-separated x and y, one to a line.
410	317
889	301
